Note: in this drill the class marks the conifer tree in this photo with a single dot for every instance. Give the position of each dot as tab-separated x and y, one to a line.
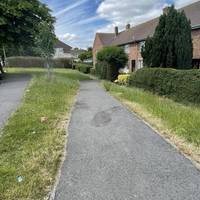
171	44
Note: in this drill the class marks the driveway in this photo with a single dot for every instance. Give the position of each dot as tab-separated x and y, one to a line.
11	92
113	155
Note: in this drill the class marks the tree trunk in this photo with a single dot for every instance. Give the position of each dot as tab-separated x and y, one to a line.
4	56
48	69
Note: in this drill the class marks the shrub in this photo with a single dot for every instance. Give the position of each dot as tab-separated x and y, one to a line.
111	59
123	79
101	69
83	68
28	61
180	85
93	71
171	44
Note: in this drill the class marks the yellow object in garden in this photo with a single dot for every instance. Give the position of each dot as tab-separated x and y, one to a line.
122	79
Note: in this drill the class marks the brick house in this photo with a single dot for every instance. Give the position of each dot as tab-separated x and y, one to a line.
132	39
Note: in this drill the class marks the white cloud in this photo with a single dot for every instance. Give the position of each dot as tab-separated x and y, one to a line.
70	7
68	37
128	11
181	3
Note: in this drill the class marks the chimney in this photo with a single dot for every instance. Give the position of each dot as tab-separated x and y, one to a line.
116	30
166	10
128	26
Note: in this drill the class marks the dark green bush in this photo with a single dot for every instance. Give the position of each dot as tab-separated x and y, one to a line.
93	71
84	68
101	69
180	85
110	59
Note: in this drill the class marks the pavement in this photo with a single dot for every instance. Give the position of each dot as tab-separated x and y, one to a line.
113	155
11	92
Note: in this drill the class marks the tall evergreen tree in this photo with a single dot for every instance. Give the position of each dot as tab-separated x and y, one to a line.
171	44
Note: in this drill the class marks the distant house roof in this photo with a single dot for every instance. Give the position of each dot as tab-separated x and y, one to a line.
106	38
65	47
142	31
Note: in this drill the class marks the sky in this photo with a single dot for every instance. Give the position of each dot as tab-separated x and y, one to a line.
77	21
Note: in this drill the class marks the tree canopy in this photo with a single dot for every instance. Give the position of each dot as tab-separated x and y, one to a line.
109	61
20	20
86	54
171	44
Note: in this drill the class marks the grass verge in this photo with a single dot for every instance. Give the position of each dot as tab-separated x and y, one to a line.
32	142
178	123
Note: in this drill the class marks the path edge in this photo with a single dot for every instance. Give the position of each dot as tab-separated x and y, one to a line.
52	193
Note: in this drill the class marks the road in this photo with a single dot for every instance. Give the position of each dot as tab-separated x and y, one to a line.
113	155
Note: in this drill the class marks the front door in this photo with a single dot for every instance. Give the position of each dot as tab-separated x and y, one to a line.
132	65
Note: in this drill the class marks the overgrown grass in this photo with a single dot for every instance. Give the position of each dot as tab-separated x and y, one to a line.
30	147
182	121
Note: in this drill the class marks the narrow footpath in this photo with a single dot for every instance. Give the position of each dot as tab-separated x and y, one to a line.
113	155
11	92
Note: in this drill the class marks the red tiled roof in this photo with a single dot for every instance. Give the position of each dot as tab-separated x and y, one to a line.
142	31
106	38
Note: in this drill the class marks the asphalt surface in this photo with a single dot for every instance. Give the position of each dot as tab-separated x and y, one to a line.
113	155
11	92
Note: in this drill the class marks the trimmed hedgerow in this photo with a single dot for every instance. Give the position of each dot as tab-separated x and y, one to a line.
30	62
180	85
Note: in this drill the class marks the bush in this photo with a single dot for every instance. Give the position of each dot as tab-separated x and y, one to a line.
111	59
123	79
83	68
180	85
101	69
29	62
93	71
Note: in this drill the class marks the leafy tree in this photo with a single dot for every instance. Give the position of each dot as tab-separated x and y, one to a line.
85	55
19	22
171	44
45	44
115	58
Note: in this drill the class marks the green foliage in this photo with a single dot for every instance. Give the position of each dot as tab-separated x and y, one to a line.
171	45
45	40
19	21
84	68
180	85
101	70
110	59
85	55
93	71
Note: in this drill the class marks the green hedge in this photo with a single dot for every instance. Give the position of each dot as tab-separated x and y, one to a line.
28	61
93	71
84	68
180	85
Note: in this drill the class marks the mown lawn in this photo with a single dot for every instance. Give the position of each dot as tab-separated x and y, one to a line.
32	142
164	114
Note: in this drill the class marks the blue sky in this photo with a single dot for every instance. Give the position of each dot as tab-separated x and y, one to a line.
79	20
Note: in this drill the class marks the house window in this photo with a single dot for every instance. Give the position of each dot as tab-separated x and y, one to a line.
127	48
141	45
140	64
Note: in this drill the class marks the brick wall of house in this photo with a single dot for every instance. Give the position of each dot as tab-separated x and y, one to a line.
196	43
96	47
134	50
134	55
